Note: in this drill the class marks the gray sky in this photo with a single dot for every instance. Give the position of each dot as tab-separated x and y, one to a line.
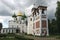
7	7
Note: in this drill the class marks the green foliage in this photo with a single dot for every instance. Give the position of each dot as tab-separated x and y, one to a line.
14	15
1	25
52	26
49	26
13	37
29	34
57	14
3	35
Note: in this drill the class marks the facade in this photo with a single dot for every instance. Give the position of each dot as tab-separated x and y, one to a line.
30	25
38	21
18	23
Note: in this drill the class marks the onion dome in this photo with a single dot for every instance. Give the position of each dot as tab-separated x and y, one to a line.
14	15
19	14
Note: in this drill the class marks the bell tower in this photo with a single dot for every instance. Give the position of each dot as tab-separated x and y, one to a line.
44	20
40	21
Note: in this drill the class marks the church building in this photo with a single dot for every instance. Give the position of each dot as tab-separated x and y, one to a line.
19	23
37	22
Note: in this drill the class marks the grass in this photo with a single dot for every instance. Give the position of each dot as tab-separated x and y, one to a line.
26	37
13	37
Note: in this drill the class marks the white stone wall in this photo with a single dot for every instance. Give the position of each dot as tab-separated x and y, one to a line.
13	24
35	17
19	23
30	25
8	30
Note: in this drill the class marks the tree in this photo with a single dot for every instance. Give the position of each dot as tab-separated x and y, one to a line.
0	26
49	26
57	14
52	26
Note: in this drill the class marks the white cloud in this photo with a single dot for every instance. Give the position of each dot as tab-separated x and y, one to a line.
58	0
8	6
25	3
4	20
52	9
28	10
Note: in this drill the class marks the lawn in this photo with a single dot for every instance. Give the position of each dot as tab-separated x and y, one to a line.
13	37
27	37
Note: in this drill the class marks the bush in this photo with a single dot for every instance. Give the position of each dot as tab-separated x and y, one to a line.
30	35
15	37
3	35
25	33
22	38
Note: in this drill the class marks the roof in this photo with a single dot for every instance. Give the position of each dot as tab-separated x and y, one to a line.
19	13
14	15
42	7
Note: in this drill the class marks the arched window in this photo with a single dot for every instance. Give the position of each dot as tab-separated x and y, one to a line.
42	11
30	19
3	30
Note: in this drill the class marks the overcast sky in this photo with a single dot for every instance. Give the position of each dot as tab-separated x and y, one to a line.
7	7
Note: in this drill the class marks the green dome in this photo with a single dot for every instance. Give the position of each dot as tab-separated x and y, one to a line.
14	15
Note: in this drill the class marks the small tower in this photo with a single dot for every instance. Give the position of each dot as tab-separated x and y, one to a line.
40	21
19	16
15	17
19	21
44	20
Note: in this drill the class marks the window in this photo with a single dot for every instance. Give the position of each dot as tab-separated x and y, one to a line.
38	13
33	13
9	30
6	30
33	25
44	23
34	19
43	16
37	24
30	19
3	30
42	11
17	26
37	31
26	23
44	31
12	30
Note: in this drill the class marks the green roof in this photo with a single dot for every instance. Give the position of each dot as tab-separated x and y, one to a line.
14	15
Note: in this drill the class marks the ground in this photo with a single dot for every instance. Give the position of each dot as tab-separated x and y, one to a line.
27	37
